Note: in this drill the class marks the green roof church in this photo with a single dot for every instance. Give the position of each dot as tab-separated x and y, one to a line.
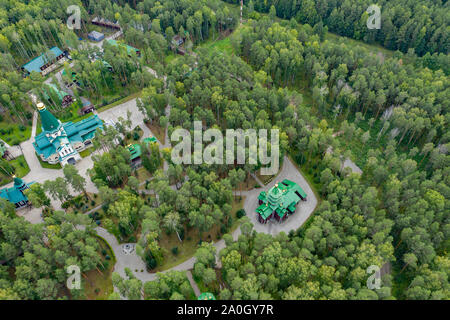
280	201
61	142
15	193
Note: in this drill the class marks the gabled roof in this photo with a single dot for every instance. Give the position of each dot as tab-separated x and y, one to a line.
135	150
38	62
60	93
149	140
129	48
13	194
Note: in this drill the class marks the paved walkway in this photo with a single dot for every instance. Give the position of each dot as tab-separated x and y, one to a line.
193	283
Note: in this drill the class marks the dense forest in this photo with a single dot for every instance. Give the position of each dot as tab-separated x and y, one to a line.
421	25
331	99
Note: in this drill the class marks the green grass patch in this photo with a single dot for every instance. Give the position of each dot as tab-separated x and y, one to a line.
223	45
47	165
157	130
98	285
86	152
21	166
21	169
142	175
374	48
14	134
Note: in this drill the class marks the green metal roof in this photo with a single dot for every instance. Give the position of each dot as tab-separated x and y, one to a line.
135	150
206	296
61	94
150	140
76	132
38	62
280	198
49	122
14	194
129	48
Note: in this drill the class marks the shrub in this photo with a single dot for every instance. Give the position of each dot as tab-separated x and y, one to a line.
92	203
65	205
230	222
240	213
175	250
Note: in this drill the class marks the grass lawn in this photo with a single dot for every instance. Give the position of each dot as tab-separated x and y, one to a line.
47	165
187	248
249	184
265	179
375	48
142	174
86	205
237	205
21	170
132	138
98	285
21	166
86	152
12	133
223	45
158	131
